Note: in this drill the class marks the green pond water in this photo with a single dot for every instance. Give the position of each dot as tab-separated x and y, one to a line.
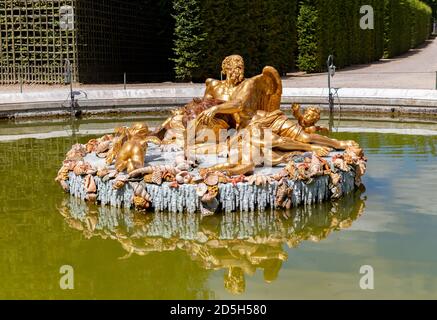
307	253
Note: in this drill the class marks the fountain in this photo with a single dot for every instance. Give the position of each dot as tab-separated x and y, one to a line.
232	150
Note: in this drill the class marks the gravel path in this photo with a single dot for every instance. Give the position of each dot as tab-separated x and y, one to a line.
413	70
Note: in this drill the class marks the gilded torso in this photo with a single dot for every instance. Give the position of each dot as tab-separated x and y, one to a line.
220	90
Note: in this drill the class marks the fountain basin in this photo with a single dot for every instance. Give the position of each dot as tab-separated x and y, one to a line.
306	180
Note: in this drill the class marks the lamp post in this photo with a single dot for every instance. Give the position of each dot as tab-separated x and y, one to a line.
68	80
331	73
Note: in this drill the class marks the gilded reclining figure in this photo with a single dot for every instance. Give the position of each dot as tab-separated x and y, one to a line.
254	105
256	102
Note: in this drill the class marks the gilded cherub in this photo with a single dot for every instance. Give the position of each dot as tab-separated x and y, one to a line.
130	146
309	119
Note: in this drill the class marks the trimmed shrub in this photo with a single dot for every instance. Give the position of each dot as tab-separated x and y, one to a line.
309	31
421	24
407	25
433	6
333	27
265	32
188	38
262	31
398	24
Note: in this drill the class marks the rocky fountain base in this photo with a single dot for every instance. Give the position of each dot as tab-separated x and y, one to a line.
170	183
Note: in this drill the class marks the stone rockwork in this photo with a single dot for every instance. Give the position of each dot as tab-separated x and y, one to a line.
170	183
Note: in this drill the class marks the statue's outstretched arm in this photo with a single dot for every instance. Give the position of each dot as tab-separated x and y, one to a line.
230	107
296	112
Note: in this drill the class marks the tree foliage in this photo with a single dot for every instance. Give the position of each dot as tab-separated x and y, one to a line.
271	32
407	25
262	31
433	5
188	38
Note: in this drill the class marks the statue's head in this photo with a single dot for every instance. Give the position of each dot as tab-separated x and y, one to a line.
140	130
311	116
233	68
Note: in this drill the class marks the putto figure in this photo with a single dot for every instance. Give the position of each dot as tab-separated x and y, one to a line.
309	119
129	147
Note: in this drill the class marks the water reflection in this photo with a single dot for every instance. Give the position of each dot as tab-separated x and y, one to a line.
239	243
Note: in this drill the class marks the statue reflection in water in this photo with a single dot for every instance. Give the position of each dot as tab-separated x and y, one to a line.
239	243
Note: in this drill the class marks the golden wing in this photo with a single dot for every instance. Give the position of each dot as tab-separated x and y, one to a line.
268	88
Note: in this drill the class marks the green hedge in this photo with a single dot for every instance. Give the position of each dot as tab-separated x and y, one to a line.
262	31
188	38
421	22
433	5
270	32
407	24
332	27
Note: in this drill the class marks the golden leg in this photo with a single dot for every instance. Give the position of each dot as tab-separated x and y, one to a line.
282	157
332	143
234	169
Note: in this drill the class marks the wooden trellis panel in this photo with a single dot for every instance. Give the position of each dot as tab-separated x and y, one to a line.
33	45
116	36
109	37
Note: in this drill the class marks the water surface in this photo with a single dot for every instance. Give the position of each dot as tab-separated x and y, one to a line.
313	252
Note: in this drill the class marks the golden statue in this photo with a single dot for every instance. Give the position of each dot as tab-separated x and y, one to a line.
262	92
309	119
129	147
256	102
252	104
249	106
